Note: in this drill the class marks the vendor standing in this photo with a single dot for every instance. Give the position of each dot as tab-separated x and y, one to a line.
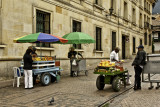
114	57
72	55
33	54
28	69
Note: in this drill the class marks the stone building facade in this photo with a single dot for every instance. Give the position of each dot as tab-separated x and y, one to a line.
156	32
126	28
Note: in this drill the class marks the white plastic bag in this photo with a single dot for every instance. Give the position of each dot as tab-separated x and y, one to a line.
74	62
128	81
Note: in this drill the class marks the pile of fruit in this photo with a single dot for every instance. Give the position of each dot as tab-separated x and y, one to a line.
106	63
106	66
46	58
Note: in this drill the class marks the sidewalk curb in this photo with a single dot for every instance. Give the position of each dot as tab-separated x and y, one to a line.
6	83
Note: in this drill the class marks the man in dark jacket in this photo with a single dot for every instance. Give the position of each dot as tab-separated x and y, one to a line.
72	55
27	58
138	63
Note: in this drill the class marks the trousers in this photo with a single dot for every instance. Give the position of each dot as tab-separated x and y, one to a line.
138	71
28	78
71	72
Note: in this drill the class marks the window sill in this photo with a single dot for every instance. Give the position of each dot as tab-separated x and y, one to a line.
140	27
126	19
133	53
134	23
134	1
45	48
96	51
79	50
2	46
141	7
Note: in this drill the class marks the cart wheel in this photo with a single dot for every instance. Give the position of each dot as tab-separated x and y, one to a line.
116	84
45	79
100	82
86	72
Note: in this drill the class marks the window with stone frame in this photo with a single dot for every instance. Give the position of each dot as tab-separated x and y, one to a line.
125	14
140	42
149	7
150	40
42	25
145	4
145	20
145	38
133	15
113	5
76	28
134	45
113	40
140	20
98	39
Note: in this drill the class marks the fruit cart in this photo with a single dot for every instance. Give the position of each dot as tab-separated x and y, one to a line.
46	68
111	74
152	67
79	67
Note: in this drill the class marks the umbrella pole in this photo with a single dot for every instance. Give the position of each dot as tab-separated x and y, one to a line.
40	50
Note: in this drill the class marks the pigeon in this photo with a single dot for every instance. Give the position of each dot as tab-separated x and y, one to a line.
51	101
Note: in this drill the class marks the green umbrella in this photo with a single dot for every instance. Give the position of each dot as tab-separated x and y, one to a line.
78	38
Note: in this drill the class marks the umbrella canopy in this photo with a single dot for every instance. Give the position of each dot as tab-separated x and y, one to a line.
78	38
39	37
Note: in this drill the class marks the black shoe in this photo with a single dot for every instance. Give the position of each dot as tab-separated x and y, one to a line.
139	88
135	88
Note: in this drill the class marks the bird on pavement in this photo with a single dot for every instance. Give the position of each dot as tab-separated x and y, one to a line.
51	101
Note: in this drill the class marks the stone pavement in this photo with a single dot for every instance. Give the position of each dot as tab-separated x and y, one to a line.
78	91
139	98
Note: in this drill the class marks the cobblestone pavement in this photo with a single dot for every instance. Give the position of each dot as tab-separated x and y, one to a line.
78	91
140	98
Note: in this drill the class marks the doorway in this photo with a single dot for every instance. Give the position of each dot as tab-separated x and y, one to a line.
123	47
113	40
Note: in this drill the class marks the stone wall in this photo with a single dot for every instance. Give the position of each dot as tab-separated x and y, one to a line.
19	18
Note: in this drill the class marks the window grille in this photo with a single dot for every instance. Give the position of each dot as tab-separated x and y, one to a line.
98	39
134	45
43	25
76	28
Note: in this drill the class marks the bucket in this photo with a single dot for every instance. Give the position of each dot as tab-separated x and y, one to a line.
58	78
57	63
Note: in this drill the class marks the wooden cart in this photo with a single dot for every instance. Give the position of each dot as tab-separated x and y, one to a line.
108	75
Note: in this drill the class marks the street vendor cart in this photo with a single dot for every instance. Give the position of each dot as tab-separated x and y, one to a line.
78	38
47	70
44	67
80	66
109	73
152	67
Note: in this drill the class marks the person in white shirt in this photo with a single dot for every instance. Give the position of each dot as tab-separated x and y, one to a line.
114	57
